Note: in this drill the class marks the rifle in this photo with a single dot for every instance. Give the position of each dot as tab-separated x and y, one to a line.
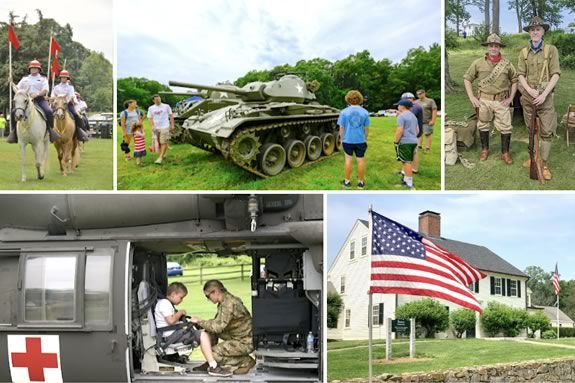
535	168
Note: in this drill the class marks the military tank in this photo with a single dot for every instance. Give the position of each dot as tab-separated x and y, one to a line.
263	127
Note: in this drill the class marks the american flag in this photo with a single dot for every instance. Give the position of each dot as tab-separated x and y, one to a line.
555	279
404	262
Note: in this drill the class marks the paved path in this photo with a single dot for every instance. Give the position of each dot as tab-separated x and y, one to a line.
545	344
382	344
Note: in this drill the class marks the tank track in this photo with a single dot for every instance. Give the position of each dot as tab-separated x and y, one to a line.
268	127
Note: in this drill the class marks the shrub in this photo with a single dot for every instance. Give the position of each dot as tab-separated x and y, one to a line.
481	33
565	332
537	321
461	321
549	334
428	313
499	318
334	305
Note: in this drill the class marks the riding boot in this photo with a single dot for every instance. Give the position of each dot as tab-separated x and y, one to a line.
484	137
505	155
80	133
13	136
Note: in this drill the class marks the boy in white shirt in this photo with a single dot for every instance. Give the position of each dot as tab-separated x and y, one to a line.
165	314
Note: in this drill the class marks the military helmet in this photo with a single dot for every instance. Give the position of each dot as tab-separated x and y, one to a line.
493	39
34	64
64	73
536	21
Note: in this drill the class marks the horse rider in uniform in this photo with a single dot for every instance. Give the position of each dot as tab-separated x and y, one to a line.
37	87
497	85
81	108
232	325
67	89
538	70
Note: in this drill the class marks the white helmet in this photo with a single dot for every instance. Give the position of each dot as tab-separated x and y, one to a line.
407	95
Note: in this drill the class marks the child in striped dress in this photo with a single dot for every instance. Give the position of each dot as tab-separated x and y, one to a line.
139	142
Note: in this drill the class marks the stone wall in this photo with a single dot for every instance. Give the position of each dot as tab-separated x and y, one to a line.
551	370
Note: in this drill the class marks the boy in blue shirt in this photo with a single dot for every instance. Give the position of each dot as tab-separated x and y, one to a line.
353	124
405	139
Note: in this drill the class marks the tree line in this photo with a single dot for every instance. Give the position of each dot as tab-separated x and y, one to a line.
91	72
380	81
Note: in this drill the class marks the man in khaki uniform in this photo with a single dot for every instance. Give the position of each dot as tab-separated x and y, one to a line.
497	84
538	70
232	325
429	115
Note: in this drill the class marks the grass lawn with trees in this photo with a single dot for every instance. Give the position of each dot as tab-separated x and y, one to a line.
493	174
189	168
436	355
95	172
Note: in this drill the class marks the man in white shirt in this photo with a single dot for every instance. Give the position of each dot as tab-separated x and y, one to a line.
162	122
37	87
67	89
165	314
81	108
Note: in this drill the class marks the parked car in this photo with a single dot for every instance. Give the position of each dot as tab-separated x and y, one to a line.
101	124
174	268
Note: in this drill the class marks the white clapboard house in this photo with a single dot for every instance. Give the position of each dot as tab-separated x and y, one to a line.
349	275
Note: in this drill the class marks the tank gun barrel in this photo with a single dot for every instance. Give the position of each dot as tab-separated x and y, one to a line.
208	87
190	94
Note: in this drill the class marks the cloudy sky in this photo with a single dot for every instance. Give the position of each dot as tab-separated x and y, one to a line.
91	20
524	229
216	40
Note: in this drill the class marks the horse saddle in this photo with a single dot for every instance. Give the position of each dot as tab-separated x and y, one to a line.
41	111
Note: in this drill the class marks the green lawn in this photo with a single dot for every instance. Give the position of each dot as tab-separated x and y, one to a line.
94	173
444	354
493	174
189	168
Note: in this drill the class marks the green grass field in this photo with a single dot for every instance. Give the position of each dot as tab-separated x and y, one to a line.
189	168
493	174
566	341
439	355
96	170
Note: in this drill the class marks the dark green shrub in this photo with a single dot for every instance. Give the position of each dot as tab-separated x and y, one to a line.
429	314
462	320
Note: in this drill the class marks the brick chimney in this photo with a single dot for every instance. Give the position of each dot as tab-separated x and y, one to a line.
430	223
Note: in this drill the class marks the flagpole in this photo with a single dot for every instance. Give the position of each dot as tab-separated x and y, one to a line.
370	306
10	83
557	315
50	59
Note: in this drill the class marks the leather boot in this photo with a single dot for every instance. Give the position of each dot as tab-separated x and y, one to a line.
505	155
81	135
484	137
546	172
54	136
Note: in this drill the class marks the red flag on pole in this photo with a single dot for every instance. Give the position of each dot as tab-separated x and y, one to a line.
55	66
54	47
12	38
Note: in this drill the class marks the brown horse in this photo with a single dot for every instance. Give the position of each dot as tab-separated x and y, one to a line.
67	146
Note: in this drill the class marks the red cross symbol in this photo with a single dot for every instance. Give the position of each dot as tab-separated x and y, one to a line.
34	360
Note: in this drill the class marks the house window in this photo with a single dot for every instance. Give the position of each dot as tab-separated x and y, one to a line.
352	250
342	285
498	286
474	287
347	317
364	246
50	288
513	288
375	315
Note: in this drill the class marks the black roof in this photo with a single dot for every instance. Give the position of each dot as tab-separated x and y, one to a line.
479	256
365	223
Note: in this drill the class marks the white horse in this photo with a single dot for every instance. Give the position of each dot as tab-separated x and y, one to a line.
31	128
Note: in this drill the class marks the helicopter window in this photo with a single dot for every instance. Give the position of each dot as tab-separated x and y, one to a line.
97	303
49	288
8	292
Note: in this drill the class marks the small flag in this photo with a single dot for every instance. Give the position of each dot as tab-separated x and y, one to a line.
54	47
12	38
55	66
405	262
555	279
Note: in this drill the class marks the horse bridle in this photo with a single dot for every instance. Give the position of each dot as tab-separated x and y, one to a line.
23	109
63	109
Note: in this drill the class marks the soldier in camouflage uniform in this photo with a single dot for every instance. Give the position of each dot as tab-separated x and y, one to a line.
497	84
232	326
538	70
